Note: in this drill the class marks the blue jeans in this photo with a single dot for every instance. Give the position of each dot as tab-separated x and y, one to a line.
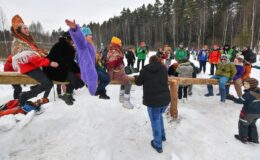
104	80
222	81
156	118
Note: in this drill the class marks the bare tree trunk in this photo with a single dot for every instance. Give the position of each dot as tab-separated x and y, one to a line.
204	25
232	31
253	26
225	30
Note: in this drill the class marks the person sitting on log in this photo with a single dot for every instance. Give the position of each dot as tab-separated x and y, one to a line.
63	52
86	54
27	59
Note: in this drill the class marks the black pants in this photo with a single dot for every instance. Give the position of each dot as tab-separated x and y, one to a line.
17	90
212	68
182	92
130	63
74	83
203	66
45	85
138	63
247	127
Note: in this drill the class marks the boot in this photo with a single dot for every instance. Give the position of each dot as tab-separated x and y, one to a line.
210	91
126	103
67	99
222	95
121	95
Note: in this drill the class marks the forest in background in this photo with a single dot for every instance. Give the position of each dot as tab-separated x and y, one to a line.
192	22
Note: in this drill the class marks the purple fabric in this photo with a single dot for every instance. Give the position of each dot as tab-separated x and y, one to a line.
240	71
86	59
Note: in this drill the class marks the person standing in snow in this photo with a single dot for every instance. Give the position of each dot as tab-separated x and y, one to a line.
156	96
203	58
184	69
247	130
225	72
181	53
168	55
27	58
141	53
130	56
228	51
116	71
214	58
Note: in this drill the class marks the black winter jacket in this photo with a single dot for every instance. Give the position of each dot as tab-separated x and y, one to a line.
63	53
154	79
251	104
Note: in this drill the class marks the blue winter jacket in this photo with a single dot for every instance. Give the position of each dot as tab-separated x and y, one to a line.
203	55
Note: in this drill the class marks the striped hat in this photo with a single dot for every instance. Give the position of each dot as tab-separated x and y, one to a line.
252	82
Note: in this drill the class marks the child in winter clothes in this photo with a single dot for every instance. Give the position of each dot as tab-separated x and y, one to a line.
116	71
238	77
172	70
130	56
225	72
203	57
184	69
27	58
156	97
168	55
250	112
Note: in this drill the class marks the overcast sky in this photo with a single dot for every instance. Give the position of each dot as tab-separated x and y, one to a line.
52	13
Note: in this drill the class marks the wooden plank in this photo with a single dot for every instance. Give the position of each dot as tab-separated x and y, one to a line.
174	99
197	81
17	78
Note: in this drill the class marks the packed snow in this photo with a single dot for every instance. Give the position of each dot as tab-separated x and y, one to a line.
95	129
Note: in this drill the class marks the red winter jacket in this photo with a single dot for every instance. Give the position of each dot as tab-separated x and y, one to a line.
8	67
214	56
34	63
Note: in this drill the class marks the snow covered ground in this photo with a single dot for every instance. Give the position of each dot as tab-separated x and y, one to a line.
94	129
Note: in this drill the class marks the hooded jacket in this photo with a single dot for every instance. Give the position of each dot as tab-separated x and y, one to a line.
154	79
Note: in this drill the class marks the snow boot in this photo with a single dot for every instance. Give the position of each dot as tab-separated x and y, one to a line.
210	91
159	150
126	103
121	95
67	98
253	140
243	140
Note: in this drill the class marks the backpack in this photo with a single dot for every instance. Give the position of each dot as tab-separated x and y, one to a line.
252	58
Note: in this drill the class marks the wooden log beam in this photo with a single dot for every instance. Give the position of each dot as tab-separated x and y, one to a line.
198	81
17	78
174	99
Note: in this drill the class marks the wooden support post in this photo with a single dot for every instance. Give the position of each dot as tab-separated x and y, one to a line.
174	98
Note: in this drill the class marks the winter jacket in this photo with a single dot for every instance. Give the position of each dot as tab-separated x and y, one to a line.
172	70
229	53
181	54
247	99
86	59
64	54
240	72
203	55
214	56
154	79
8	64
33	62
185	70
248	54
228	70
141	53
247	71
130	56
